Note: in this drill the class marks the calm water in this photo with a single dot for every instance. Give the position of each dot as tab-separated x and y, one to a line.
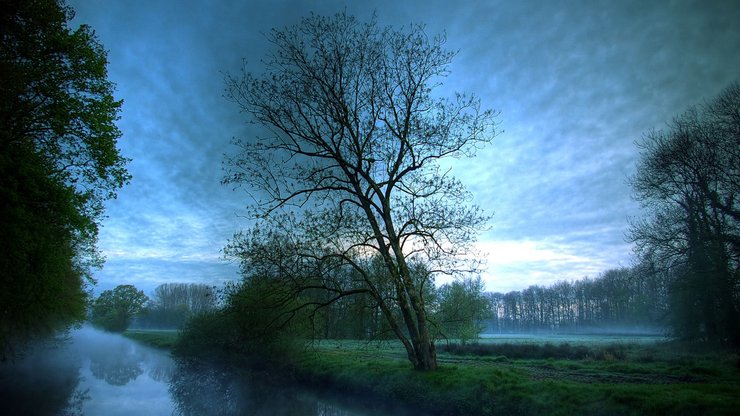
96	373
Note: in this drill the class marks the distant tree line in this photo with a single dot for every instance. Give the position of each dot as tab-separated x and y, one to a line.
618	298
172	304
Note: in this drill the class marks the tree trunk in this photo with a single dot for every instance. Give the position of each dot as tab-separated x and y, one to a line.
426	354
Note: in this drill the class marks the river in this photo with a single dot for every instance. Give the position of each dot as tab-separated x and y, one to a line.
97	373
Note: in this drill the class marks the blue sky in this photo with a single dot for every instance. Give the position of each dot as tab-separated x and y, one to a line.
576	82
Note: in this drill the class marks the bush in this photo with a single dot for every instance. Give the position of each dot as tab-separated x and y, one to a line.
256	326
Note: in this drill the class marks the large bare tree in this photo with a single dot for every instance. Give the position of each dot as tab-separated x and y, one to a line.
347	169
688	181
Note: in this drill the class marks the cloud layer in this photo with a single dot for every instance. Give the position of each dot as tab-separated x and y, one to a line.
577	82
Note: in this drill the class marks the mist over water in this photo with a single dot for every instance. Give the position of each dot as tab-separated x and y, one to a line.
97	373
90	373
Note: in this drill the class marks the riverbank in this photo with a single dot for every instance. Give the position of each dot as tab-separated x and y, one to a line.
157	338
659	378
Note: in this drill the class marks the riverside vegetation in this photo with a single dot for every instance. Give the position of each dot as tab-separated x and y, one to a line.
586	375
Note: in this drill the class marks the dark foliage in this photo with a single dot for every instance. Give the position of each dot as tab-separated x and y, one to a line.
563	351
633	298
58	164
688	183
350	167
114	310
260	323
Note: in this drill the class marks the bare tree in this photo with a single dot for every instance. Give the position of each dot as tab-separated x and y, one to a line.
348	168
688	182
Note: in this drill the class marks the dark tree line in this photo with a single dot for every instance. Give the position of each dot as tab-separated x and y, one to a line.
688	181
618	298
457	310
58	164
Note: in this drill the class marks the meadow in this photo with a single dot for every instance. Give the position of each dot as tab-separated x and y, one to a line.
544	375
158	338
547	375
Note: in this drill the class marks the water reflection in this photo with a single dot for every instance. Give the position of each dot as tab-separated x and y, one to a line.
90	373
123	377
115	367
205	390
96	373
43	382
199	389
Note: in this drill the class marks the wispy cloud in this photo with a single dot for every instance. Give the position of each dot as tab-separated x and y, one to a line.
576	82
515	264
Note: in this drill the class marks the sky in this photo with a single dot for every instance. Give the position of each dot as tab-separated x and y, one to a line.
576	83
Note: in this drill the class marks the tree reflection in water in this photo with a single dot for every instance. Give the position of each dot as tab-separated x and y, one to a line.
117	366
43	382
199	389
99	373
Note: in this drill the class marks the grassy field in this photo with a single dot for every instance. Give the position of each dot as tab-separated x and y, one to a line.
160	338
538	376
563	375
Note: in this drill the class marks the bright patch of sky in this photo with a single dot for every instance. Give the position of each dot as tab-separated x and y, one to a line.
576	82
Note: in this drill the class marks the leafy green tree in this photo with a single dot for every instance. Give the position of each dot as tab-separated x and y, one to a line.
58	164
688	181
261	320
462	306
114	310
349	168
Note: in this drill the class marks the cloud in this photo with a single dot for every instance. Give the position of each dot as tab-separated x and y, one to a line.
516	264
576	83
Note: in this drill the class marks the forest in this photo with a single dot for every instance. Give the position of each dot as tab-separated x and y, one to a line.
619	300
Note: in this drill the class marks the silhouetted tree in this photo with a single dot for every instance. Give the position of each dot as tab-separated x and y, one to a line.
114	309
58	164
688	181
348	167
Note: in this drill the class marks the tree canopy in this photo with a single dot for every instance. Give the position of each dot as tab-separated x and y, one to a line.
347	168
462	308
58	164
114	310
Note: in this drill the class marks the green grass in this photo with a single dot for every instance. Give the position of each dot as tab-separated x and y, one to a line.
645	378
533	377
164	339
